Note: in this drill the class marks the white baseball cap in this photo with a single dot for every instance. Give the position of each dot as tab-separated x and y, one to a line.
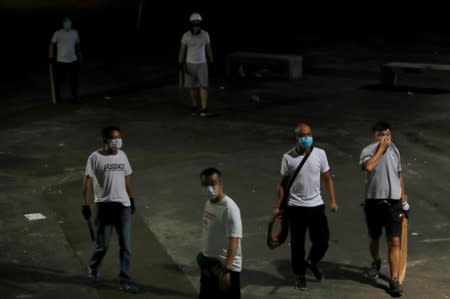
195	17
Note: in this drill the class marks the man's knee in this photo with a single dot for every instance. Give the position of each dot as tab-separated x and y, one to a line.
394	242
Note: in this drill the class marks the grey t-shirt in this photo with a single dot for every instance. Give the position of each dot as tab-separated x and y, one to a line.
384	181
196	45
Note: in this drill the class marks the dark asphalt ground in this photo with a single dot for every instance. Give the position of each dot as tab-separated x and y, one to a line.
44	149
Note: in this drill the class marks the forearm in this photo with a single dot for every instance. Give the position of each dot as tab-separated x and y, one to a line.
370	164
78	50
280	195
402	187
51	50
331	190
209	53
231	252
181	55
87	190
129	186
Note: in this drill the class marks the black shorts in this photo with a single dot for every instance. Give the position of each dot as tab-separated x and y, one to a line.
383	213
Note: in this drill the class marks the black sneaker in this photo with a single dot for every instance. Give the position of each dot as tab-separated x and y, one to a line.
315	270
300	282
129	287
374	270
204	113
395	288
195	111
93	276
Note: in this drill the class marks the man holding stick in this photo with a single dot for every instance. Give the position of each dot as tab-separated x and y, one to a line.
108	174
68	55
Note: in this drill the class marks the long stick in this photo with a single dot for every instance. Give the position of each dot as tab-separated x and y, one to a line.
139	16
52	85
403	260
180	79
91	231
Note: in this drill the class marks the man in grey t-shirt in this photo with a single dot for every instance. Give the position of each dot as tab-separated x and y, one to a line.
385	198
108	175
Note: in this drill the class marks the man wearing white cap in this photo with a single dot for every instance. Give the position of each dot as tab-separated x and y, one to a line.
195	52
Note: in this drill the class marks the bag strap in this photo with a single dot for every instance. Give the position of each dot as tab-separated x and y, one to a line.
291	181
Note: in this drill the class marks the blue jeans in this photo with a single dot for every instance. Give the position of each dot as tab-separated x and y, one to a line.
108	216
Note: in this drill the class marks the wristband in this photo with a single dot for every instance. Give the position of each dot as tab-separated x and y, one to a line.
405	206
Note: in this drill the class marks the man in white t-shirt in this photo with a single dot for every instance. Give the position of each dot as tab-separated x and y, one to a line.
68	55
305	206
108	176
195	52
220	259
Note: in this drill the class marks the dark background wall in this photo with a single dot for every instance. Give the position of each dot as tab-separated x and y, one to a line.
108	27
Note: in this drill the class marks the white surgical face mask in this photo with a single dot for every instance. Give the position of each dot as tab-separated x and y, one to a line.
213	192
115	144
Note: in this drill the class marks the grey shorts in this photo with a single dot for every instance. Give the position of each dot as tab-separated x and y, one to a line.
196	75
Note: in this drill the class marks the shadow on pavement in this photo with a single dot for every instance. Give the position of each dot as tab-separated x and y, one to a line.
110	284
331	270
13	275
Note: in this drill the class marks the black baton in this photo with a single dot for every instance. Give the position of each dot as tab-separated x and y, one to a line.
91	231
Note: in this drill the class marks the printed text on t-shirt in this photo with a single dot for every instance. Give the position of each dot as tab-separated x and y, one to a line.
114	167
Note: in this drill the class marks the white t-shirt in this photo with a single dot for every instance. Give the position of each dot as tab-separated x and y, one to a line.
108	173
305	191
221	221
196	44
65	44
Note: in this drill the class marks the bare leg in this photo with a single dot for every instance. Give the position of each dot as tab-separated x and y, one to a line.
374	249
204	97
194	97
394	255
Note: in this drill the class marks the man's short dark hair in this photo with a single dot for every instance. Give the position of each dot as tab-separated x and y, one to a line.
381	126
107	132
208	172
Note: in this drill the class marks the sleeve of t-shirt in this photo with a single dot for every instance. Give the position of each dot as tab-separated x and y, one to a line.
366	154
284	166
184	39
234	223
54	37
324	166
399	166
90	166
127	167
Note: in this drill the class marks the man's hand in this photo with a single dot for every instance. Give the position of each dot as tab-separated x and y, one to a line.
334	207
180	66
405	209
86	211
276	211
51	60
385	143
224	280
133	207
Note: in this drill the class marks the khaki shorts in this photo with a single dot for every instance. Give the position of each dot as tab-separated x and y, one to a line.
196	75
